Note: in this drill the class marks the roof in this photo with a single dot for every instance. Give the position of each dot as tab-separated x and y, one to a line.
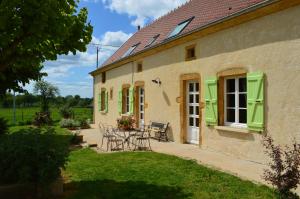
203	12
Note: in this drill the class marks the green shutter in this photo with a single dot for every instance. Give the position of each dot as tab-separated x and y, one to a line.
131	100
106	102
211	97
120	102
99	101
255	101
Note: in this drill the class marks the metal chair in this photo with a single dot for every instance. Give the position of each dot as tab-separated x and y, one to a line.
106	134
143	141
116	141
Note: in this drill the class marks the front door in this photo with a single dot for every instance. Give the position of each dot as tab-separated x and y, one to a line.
141	106
192	110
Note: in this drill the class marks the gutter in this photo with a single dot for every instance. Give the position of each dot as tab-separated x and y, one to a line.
215	22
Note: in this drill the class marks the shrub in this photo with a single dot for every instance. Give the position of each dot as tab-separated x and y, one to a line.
69	123
66	112
284	172
42	119
3	126
84	123
32	156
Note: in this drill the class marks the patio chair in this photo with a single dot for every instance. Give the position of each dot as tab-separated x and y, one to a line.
106	135
143	141
115	140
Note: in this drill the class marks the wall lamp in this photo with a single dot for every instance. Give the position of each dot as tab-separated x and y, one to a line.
157	81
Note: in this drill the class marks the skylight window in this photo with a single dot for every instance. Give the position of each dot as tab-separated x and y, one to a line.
180	27
152	40
130	50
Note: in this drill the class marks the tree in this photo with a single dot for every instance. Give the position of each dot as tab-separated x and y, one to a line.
34	31
46	92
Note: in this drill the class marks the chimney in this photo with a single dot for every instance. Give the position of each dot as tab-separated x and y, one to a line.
139	27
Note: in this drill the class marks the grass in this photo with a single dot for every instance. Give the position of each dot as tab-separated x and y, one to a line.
152	175
27	114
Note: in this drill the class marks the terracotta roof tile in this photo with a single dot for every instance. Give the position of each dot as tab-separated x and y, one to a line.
203	11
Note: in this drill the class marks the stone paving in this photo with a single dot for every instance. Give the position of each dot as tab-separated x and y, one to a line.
244	169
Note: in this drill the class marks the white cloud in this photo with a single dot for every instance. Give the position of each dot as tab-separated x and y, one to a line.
62	72
115	38
142	10
62	66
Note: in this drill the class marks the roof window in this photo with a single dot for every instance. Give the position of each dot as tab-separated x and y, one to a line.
180	27
130	50
152	40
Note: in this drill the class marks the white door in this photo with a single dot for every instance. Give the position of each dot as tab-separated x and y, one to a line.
141	107
192	103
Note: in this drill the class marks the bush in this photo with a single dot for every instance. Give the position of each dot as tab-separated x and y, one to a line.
66	112
3	126
69	123
32	156
284	172
84	123
42	119
27	122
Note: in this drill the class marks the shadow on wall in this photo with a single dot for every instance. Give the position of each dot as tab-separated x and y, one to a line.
110	189
166	98
170	133
239	136
251	34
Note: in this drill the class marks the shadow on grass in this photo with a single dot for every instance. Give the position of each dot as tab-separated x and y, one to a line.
110	189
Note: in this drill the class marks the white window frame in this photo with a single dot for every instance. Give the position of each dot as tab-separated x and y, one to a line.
236	108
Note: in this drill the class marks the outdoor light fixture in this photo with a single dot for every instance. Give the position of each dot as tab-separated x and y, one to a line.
157	81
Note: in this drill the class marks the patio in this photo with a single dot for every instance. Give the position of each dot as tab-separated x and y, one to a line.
244	169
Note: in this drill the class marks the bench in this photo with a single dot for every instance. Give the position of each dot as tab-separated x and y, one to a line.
160	130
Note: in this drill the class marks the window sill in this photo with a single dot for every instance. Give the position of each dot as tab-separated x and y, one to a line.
103	112
190	59
233	129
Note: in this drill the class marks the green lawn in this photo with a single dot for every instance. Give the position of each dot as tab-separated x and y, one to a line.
27	114
152	175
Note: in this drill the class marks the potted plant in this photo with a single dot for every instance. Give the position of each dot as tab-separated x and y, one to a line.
126	123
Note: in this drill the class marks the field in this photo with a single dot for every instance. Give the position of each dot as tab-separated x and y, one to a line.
27	114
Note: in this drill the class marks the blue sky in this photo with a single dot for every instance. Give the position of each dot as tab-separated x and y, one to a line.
114	21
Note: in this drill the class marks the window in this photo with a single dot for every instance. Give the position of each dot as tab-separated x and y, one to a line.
152	40
126	101
139	67
190	52
180	27
103	77
103	101
235	98
235	101
130	50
